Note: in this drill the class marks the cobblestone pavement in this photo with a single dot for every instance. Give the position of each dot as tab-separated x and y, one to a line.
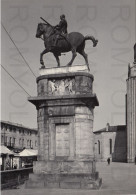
117	178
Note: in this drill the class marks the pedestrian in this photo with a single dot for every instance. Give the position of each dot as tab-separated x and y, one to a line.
108	160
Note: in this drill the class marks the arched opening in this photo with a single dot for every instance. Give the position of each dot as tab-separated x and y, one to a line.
110	142
2	139
99	147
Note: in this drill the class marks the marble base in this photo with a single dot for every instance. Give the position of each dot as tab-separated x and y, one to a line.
67	166
64	69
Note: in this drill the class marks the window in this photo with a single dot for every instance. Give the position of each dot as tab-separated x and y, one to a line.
10	140
30	143
2	139
6	139
14	129
27	142
35	143
99	147
14	140
110	142
2	126
20	141
10	129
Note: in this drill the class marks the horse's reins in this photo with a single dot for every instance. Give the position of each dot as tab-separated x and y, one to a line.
52	34
41	38
48	36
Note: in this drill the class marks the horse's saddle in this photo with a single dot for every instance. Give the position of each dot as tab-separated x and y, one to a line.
62	36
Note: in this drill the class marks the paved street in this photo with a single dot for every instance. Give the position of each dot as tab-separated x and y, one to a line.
118	178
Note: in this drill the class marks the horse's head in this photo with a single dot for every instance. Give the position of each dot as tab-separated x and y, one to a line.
43	28
40	30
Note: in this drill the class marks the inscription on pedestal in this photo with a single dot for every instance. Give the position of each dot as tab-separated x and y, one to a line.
62	140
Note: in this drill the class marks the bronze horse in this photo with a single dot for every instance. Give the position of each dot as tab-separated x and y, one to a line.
73	41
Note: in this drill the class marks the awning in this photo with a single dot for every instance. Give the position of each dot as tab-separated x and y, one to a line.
5	150
28	152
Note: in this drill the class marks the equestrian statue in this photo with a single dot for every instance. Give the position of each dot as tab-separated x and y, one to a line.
57	40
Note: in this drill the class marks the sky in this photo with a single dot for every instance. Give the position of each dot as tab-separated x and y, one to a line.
111	22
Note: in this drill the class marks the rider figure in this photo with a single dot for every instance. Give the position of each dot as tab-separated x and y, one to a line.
61	28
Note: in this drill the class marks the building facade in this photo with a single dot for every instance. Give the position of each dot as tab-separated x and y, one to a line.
111	142
18	137
131	114
119	142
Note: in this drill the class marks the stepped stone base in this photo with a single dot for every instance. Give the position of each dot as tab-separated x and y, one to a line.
65	181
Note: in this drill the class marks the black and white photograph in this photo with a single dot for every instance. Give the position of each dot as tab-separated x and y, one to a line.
68	97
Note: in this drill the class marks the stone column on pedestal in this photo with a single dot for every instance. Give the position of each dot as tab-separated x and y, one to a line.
131	114
65	105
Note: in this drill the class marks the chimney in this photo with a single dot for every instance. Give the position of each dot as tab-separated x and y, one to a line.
107	126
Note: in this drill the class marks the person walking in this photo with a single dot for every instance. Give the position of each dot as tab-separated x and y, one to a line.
108	160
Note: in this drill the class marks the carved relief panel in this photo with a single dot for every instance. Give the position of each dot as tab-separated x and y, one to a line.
68	85
42	87
61	86
83	85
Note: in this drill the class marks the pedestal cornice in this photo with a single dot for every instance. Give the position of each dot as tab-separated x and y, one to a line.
85	97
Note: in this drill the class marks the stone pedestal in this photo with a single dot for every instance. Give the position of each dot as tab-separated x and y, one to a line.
65	105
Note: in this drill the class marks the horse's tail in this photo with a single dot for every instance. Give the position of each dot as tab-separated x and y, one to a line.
88	37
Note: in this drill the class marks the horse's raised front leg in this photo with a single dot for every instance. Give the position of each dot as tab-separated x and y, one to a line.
41	56
74	54
57	59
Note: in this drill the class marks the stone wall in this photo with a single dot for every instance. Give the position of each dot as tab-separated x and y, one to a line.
120	147
84	132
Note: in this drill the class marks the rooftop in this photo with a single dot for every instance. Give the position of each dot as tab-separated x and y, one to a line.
109	128
17	125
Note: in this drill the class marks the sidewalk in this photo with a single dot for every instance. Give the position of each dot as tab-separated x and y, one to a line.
117	178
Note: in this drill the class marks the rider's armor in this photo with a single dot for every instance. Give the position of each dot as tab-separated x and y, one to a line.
61	28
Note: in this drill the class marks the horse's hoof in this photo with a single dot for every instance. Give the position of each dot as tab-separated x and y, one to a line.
69	65
88	67
96	41
42	67
41	62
